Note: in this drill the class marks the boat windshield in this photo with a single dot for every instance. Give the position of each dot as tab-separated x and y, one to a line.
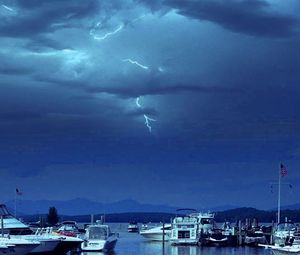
287	226
4	211
206	221
97	233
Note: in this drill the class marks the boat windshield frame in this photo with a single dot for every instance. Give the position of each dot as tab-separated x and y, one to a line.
286	226
97	232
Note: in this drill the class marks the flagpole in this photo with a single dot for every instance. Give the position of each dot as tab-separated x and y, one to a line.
279	194
15	204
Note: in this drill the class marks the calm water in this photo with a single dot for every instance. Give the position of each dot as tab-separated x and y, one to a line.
134	244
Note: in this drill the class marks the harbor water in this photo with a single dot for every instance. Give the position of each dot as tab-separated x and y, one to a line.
134	244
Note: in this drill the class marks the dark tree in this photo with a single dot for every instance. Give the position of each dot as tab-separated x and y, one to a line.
52	217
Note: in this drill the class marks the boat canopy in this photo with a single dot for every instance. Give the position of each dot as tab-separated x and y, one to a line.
286	226
97	232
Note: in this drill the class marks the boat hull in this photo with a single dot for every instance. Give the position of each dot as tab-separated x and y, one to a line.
99	245
21	249
46	246
68	244
158	237
285	251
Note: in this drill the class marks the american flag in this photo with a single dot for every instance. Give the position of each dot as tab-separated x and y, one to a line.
18	192
283	170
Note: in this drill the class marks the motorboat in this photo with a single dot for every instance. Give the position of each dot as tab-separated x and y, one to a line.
156	233
206	223
46	245
64	243
98	237
68	243
70	228
254	237
284	231
286	250
49	241
133	227
282	250
184	229
17	246
224	236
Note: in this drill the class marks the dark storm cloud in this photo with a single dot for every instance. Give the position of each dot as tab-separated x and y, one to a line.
252	17
39	17
159	90
11	66
40	43
13	70
132	90
19	116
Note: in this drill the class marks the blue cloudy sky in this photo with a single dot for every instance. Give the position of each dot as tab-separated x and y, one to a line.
188	103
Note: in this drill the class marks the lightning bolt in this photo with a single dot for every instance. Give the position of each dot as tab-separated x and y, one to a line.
7	8
147	119
134	62
100	38
118	29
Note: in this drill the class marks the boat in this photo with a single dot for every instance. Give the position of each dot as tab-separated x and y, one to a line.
17	246
284	232
133	227
282	250
205	226
156	233
277	250
46	245
184	229
70	228
99	238
254	237
49	240
224	236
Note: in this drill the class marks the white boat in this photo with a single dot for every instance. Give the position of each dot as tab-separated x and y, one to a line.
286	250
206	224
18	246
49	241
133	227
99	238
284	231
282	250
184	229
156	233
47	244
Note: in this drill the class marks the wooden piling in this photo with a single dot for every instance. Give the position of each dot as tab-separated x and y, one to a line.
2	226
163	239
240	238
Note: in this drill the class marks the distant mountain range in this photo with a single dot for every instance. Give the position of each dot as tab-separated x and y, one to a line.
82	206
289	207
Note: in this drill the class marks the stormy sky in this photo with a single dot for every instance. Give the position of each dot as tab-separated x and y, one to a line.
187	103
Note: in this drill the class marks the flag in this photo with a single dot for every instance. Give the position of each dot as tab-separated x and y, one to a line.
283	170
19	193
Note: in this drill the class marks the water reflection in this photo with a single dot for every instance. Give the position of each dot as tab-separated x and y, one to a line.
184	250
98	253
134	244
